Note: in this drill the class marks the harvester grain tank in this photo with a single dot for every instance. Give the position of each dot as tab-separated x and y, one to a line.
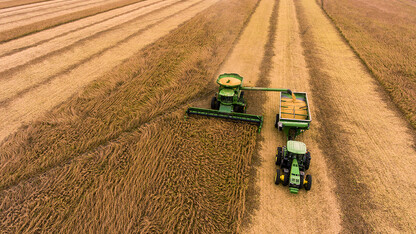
229	102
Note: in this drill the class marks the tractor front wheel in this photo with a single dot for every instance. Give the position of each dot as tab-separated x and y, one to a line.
308	184
239	109
277	177
215	105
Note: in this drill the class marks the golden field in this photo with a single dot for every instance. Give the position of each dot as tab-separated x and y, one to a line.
94	136
382	33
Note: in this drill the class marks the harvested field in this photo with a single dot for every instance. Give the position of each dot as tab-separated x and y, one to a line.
23	27
13	3
93	136
28	88
279	63
387	47
368	145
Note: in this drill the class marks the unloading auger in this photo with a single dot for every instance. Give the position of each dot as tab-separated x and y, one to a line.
229	102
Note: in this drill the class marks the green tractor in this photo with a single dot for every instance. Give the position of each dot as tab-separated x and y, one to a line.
293	159
229	102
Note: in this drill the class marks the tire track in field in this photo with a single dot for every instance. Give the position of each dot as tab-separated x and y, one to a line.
315	211
368	144
33	104
6	24
45	36
39	50
278	210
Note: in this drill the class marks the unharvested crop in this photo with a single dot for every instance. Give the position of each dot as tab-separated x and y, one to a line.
171	175
66	18
382	33
11	3
116	151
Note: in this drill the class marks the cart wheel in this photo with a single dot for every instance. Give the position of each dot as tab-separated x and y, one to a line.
301	181
286	179
276	124
215	105
307	160
277	177
308	185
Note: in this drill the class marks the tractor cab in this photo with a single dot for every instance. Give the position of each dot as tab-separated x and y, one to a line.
296	147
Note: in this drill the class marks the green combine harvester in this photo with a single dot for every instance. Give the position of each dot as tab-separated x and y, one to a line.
229	101
293	159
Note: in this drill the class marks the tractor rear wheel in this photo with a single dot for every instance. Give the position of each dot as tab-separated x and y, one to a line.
277	177
308	185
286	179
215	105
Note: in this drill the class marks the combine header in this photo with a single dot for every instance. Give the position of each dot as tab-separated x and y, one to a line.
229	101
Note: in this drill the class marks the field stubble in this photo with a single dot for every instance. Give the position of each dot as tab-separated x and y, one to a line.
113	156
382	34
13	3
42	24
61	75
364	151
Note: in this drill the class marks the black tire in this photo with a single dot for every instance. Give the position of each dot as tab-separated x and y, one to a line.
215	105
242	95
307	160
276	123
279	155
286	179
277	177
301	181
239	109
308	185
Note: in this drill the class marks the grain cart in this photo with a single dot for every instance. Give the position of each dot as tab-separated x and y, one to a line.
229	102
293	159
